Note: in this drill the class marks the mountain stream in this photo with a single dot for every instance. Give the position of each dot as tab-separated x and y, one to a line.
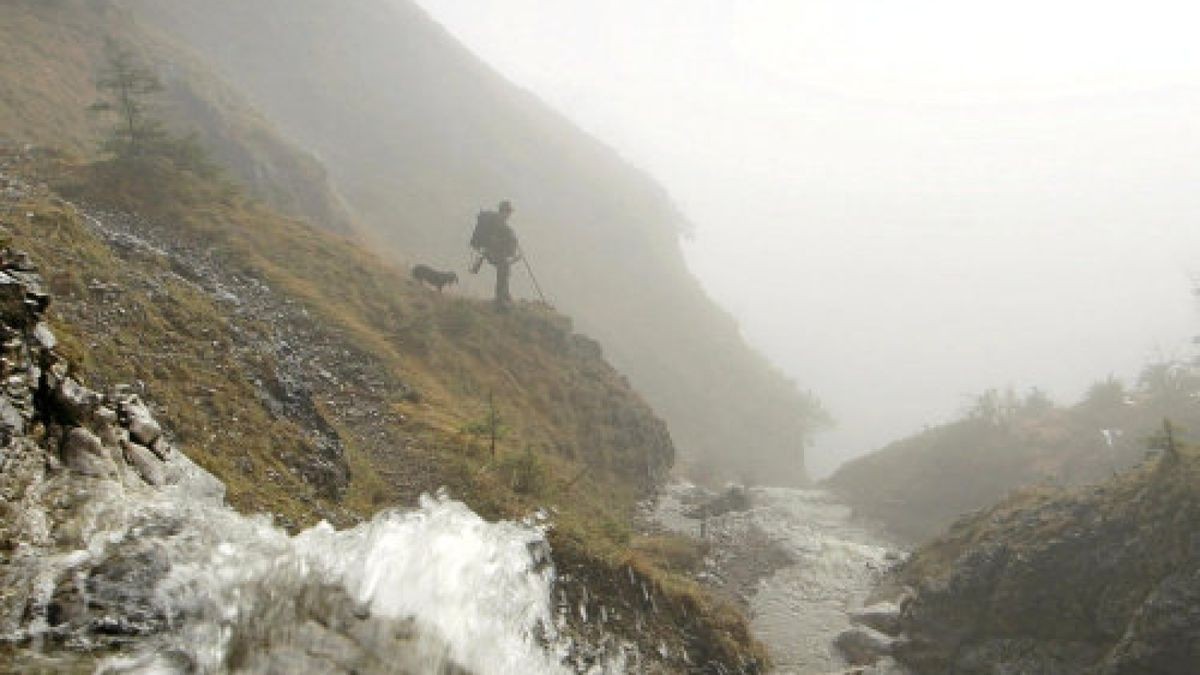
823	565
188	585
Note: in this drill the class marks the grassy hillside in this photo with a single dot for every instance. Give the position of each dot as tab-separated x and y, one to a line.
52	55
1101	579
919	485
319	381
419	134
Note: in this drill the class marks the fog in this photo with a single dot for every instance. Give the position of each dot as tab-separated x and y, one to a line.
902	204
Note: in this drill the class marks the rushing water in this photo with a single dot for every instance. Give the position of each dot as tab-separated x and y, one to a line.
427	590
800	607
196	587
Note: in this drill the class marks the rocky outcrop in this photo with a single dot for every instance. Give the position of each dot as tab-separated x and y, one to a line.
1097	580
42	402
61	444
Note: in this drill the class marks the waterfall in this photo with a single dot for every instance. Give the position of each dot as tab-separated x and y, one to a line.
197	587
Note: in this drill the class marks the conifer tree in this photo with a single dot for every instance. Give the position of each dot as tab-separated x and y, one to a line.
127	86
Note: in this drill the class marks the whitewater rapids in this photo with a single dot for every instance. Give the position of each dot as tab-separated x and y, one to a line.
434	589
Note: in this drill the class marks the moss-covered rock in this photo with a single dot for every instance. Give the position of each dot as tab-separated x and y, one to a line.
1100	579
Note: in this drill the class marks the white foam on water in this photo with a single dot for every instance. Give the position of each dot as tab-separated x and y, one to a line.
478	592
418	590
483	588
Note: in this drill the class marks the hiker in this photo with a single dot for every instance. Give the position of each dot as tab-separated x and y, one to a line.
495	241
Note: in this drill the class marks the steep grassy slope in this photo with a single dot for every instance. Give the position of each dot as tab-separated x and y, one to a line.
919	485
419	134
319	381
52	55
1103	579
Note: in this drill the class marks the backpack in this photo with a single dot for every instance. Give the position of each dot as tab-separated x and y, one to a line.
493	236
485	230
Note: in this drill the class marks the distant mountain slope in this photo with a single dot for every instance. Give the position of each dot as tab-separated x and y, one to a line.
51	56
419	134
919	485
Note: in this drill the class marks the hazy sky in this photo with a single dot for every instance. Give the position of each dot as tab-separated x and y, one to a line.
902	203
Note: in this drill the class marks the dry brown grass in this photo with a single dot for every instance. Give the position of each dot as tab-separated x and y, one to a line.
567	450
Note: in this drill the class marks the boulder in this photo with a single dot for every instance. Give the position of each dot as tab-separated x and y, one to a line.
44	336
79	439
736	498
144	429
12	423
12	301
111	435
144	462
161	448
75	401
883	617
864	646
142	426
105	415
83	453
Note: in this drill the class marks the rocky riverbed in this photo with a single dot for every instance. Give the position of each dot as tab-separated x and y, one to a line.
796	559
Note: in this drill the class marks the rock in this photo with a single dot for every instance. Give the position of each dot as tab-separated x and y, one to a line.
34	298
864	646
37	301
60	368
883	617
161	448
144	429
736	498
75	401
1165	632
169	661
44	336
12	301
68	605
22	262
886	666
121	589
1101	580
105	415
140	422
80	439
12	423
83	453
144	462
111	435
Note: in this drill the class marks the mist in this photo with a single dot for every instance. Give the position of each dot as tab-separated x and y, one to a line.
901	205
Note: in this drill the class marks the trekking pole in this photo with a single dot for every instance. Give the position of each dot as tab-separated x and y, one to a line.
536	286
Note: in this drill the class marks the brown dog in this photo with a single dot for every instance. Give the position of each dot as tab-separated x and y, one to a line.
427	275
